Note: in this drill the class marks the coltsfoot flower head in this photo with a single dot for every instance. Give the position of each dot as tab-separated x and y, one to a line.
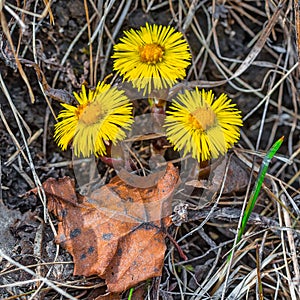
100	116
153	57
202	126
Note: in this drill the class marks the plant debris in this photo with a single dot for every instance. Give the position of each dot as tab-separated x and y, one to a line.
248	50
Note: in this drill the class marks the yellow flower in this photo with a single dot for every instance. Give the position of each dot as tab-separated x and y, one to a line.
100	116
201	126
153	57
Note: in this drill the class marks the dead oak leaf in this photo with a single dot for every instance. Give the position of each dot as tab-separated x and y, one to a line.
116	232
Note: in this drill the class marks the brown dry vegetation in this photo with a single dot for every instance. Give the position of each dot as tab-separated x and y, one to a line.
247	49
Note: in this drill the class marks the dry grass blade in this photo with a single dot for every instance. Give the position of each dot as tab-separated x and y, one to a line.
259	287
45	280
29	141
260	42
48	10
297	25
90	44
20	68
295	282
30	161
15	140
248	283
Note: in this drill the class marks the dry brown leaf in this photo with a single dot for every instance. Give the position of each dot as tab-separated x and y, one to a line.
117	231
237	178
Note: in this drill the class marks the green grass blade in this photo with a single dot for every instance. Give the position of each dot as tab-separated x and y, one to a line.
257	187
130	294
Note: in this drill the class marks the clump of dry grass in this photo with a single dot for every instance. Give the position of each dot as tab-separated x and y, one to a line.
245	48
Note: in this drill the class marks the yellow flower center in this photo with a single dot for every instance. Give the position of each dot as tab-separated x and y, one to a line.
89	113
202	118
151	53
